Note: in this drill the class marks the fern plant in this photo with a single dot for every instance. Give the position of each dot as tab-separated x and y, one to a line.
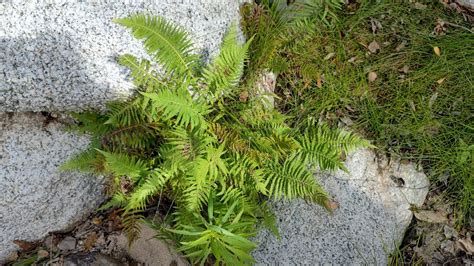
188	139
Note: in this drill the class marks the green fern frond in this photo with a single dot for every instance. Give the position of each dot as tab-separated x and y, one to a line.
85	161
124	165
179	106
227	68
197	192
167	43
118	200
194	140
216	165
318	153
150	187
338	139
126	113
141	71
91	123
292	180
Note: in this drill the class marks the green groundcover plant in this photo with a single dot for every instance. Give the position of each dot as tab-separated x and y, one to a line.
190	140
400	72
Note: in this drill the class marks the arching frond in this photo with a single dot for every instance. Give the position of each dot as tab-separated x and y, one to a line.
319	154
167	43
85	161
118	200
152	184
141	71
225	70
292	180
179	106
198	187
122	114
338	139
124	165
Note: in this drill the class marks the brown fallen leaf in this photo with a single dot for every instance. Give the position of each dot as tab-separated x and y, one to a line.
329	56
89	243
25	245
319	83
372	76
375	25
466	245
404	69
431	216
437	50
440	81
373	47
97	220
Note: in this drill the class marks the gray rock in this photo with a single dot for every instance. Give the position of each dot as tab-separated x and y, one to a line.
449	232
374	211
68	243
34	197
60	55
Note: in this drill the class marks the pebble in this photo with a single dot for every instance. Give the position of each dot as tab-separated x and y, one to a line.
68	243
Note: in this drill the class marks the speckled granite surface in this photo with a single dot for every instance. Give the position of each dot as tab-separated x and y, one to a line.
371	219
61	56
34	197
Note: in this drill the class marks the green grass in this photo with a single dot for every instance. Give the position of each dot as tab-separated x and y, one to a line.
420	107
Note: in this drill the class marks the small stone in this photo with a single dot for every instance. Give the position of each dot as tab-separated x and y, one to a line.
448	246
450	232
148	249
42	254
372	76
68	243
12	257
420	6
374	47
